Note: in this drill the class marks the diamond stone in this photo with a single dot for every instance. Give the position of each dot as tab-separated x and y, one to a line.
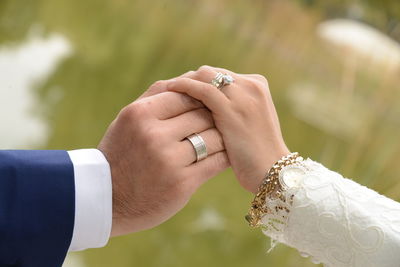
228	79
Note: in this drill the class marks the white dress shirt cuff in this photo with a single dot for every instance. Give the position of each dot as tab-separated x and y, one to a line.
93	199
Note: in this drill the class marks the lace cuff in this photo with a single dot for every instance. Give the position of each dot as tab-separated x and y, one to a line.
335	220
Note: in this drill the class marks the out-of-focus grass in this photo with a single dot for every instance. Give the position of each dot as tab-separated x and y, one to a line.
342	113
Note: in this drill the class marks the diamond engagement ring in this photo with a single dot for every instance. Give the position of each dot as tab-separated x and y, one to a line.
222	80
199	146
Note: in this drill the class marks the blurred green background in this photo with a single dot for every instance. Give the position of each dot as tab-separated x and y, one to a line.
337	106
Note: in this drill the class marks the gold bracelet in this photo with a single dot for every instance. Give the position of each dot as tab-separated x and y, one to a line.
271	188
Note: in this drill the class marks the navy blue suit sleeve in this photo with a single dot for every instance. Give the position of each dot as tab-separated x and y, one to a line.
37	208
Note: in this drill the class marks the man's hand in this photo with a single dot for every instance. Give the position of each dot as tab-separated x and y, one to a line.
153	166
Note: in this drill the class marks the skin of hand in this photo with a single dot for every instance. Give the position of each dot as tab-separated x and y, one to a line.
245	115
153	166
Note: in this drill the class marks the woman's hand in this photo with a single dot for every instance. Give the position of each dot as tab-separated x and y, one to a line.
245	115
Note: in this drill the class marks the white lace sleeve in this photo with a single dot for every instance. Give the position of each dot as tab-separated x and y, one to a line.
336	221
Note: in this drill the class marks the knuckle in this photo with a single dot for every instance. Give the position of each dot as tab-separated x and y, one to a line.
157	84
257	88
254	83
204	70
182	83
205	67
184	80
133	111
151	136
261	78
189	74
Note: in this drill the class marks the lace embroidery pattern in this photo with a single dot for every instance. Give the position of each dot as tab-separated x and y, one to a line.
336	221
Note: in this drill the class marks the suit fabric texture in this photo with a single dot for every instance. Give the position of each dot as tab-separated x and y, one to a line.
37	207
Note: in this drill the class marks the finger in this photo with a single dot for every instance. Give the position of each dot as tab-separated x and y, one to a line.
207	74
206	169
188	123
156	88
214	143
186	74
213	98
170	104
159	86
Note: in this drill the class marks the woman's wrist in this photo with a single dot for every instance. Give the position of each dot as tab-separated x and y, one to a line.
266	165
273	188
